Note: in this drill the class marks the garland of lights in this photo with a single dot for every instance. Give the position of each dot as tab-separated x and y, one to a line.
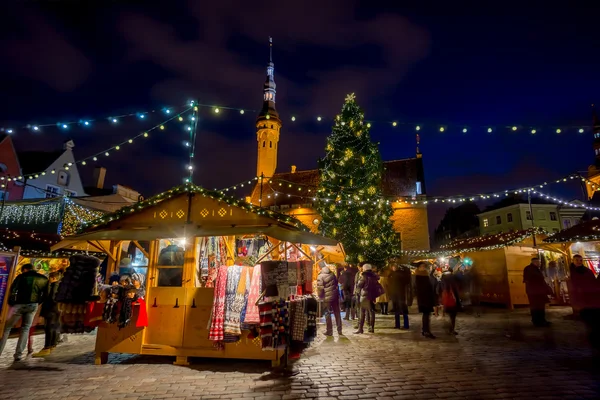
106	152
76	216
191	188
30	214
442	128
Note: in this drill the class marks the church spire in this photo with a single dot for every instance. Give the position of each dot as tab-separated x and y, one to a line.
269	88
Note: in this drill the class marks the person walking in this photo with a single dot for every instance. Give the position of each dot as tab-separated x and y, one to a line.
327	288
347	282
26	293
356	297
585	297
425	298
537	292
383	300
450	298
435	277
49	310
400	292
367	285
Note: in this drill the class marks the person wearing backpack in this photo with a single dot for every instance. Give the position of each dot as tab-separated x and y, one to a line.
370	289
450	298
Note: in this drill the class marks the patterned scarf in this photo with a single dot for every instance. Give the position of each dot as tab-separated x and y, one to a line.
234	310
233	279
216	331
252	314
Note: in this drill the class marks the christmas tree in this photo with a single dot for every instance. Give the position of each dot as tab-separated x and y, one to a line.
350	199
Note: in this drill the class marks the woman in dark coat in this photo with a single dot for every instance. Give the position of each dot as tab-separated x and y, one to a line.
425	298
450	298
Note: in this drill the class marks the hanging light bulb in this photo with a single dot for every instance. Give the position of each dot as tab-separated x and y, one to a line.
130	141
533	131
558	131
217	110
418	128
86	123
394	123
442	129
293	119
464	130
514	128
242	112
319	119
145	134
106	154
581	131
36	128
114	120
489	130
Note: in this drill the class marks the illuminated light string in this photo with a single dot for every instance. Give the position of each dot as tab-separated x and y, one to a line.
104	153
113	119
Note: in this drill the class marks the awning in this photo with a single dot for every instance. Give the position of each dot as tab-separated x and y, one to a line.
279	232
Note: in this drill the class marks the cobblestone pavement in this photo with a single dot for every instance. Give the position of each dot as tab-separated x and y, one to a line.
498	356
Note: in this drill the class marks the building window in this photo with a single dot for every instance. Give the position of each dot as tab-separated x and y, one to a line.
63	178
3	196
486	223
171	255
69	193
264	143
567	223
498	220
270	145
419	190
509	217
541	215
52	191
528	215
553	216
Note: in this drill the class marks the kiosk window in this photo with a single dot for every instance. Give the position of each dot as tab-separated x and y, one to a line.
171	255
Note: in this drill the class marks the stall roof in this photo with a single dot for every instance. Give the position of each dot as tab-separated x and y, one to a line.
490	242
191	211
584	232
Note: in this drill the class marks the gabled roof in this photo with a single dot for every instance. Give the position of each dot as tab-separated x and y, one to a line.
586	231
400	179
37	161
491	242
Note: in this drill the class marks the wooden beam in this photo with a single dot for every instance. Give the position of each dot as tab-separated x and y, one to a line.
111	254
139	246
228	247
266	254
302	251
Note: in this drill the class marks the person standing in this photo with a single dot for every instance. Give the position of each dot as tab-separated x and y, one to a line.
366	285
450	298
26	293
327	287
425	298
585	297
537	292
400	288
49	310
347	282
356	297
383	300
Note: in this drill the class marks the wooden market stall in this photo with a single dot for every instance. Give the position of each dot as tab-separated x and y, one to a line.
178	307
500	260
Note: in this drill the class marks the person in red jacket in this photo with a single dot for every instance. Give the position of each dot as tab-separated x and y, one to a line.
585	296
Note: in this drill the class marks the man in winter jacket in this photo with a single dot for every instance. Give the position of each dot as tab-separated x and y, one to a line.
537	292
400	292
347	282
26	293
585	297
51	314
366	285
327	288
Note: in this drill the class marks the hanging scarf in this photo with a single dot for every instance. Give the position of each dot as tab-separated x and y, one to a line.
232	312
252	315
216	332
246	294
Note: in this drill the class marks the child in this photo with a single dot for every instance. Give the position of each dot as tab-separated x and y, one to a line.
49	311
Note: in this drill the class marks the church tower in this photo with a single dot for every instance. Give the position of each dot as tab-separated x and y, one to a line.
594	169
268	124
596	131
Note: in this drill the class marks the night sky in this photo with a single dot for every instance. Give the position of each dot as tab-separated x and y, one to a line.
473	65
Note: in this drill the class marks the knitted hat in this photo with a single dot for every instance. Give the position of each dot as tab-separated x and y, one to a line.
114	278
367	267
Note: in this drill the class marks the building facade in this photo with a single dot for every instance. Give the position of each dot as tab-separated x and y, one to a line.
51	174
9	167
549	217
292	192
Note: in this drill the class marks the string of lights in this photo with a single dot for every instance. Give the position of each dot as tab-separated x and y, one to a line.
106	152
531	129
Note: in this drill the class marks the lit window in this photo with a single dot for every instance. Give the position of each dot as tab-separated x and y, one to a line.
553	216
509	217
419	190
52	191
486	223
498	220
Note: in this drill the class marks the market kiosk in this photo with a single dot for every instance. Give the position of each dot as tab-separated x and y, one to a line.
178	298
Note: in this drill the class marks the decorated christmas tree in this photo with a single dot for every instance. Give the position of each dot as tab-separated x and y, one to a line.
350	199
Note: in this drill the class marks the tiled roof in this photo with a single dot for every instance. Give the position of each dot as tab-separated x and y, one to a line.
400	179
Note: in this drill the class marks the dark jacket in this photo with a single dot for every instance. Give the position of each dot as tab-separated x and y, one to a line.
366	285
347	282
425	292
27	288
535	285
399	286
327	286
585	288
451	283
356	282
50	306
